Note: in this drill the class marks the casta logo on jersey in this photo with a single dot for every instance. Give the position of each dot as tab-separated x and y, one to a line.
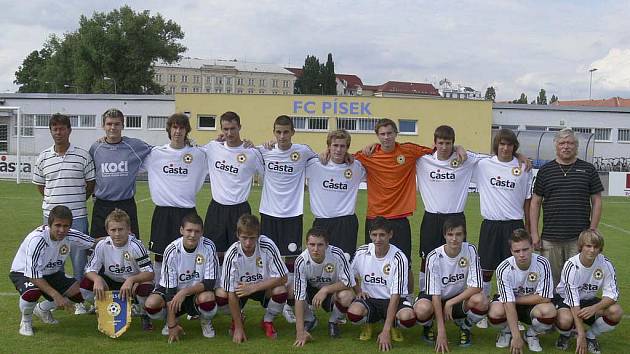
500	182
221	165
372	279
523	290
279	167
174	170
452	278
442	175
248	278
119	269
331	184
320	279
189	276
589	287
55	264
113	168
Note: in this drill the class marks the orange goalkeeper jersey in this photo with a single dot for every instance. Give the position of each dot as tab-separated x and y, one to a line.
391	179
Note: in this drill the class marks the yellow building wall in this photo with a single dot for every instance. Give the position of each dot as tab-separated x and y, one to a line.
471	119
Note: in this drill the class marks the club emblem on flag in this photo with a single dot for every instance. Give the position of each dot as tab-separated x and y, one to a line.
329	268
400	159
199	259
259	262
463	262
241	158
455	163
64	249
516	171
598	274
188	158
114	314
532	277
386	269
347	173
126	255
295	156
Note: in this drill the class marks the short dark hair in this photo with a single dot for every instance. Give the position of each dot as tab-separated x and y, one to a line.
454	222
283	120
519	235
180	119
59	119
114	113
192	218
248	222
60	212
230	116
383	122
381	223
445	132
317	232
504	135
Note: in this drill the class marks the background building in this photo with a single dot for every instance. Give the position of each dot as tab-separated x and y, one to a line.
449	90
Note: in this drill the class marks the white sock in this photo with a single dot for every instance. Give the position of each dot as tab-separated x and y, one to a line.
160	315
336	315
157	271
474	318
421	281
47	305
26	308
87	294
538	327
208	315
426	323
273	309
308	314
486	288
600	326
361	321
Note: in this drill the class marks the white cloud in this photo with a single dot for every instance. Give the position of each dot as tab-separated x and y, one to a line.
613	70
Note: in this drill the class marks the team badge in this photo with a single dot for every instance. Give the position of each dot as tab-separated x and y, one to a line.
126	255
259	262
113	309
188	158
463	262
598	274
400	159
199	259
295	156
64	249
329	268
455	163
241	158
387	268
347	173
532	277
516	171
114	314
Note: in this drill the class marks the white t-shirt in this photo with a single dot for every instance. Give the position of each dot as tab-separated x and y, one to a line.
334	268
380	278
231	171
443	185
503	189
578	282
265	263
182	269
449	277
333	187
513	282
175	175
283	188
120	263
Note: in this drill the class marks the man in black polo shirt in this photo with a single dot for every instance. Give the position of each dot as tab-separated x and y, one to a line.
569	190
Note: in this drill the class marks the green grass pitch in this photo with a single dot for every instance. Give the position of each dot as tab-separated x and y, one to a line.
20	212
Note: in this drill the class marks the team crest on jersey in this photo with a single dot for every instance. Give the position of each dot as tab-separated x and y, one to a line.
63	250
387	268
532	277
188	158
455	163
295	156
463	262
113	309
400	159
259	262
241	158
126	255
516	171
329	268
199	259
347	173
598	274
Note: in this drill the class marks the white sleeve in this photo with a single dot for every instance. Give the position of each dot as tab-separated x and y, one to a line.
277	268
610	289
432	275
398	275
299	280
168	278
475	278
572	289
79	239
95	263
504	283
544	288
211	269
228	272
343	269
34	260
141	256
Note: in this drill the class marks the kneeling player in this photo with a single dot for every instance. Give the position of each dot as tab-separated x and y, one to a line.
119	262
188	277
381	270
38	268
525	287
323	279
453	287
583	275
252	268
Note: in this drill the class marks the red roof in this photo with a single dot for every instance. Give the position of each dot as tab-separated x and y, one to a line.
609	102
351	79
413	88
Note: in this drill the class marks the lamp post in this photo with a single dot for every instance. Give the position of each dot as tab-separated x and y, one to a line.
590	85
321	87
52	83
114	80
75	87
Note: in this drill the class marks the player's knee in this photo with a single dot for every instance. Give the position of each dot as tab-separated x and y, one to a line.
564	320
144	289
544	311
279	290
205	296
280	298
31	295
406	318
614	313
479	301
154	303
423	310
86	284
344	298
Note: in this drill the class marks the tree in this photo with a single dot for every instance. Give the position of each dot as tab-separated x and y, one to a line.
316	78
491	94
522	99
542	97
554	99
121	45
329	80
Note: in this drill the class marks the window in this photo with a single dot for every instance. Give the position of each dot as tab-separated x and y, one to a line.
582	130
285	83
261	91
250	90
623	135
228	81
285	92
82	120
133	122
171	77
158	77
239	91
535	128
261	82
228	90
208	80
196	79
274	83
184	78
208	89
554	129
206	122
171	90
310	123
602	134
26	121
196	89
4	138
184	89
239	81
357	124
218	80
275	92
251	82
156	122
218	89
407	126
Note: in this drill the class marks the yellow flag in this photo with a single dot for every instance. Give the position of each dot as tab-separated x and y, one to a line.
114	314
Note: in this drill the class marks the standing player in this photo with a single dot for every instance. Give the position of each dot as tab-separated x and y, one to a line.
119	262
232	168
322	279
381	272
38	268
333	189
188	279
117	161
525	286
252	268
505	193
583	276
176	172
453	287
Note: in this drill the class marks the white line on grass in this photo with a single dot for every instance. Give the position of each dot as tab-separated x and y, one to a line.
9	294
143	200
616	228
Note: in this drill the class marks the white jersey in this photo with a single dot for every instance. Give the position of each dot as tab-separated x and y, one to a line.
449	277
578	283
231	171
119	263
40	255
333	187
265	263
283	188
383	277
175	175
334	268
443	185
182	269
503	188
512	282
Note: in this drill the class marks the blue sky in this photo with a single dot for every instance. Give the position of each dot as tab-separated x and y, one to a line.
515	46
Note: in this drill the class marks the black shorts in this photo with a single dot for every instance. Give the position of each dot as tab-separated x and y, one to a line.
311	291
432	231
377	308
189	305
401	238
220	223
494	245
559	303
57	281
102	208
342	231
524	312
257	296
459	310
165	225
286	233
111	284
